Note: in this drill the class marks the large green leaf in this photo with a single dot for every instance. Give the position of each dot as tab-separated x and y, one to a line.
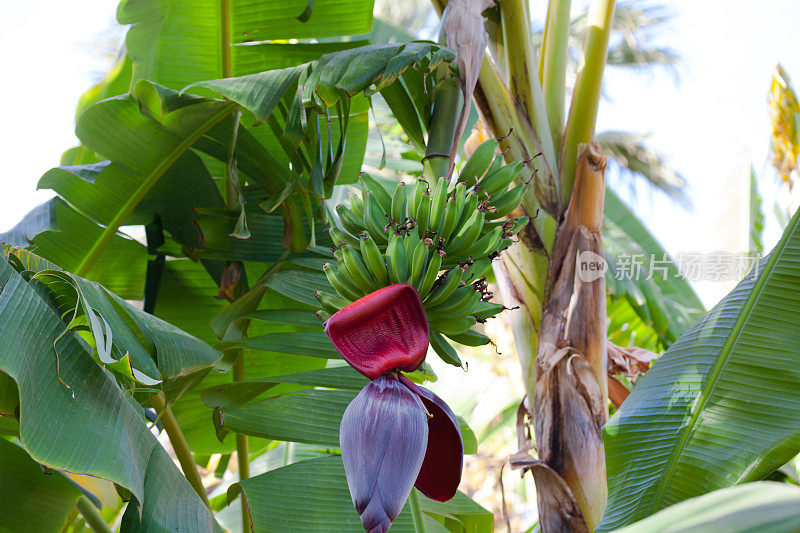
90	426
32	501
721	406
312	496
132	343
644	274
763	506
177	42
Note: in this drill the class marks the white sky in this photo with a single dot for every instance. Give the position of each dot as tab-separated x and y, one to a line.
709	123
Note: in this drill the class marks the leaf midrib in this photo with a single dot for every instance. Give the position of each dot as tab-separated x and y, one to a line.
110	230
721	361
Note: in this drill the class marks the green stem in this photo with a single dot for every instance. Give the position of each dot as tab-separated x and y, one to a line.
523	79
242	445
180	446
416	511
92	516
554	66
447	103
586	96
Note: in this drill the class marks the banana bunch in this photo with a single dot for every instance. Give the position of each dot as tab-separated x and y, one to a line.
439	237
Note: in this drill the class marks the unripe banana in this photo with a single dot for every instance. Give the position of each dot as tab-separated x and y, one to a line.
340	283
349	220
368	183
357	205
476	270
467	235
431	274
448	285
322	315
438	201
359	274
453	327
419	188
331	302
470	206
339	237
375	218
451	215
478	162
374	259
471	338
444	350
486	244
484	310
418	258
500	180
505	202
516	227
399	202
423	214
397	262
459	304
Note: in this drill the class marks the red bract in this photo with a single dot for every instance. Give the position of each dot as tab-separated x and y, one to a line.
383	331
395	435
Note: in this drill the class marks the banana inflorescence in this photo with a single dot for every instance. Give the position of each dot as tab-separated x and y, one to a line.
438	236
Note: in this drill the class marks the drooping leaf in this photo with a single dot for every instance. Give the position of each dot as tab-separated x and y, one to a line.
720	407
92	415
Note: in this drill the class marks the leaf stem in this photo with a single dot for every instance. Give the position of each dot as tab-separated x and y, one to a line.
416	511
586	96
92	516
554	62
242	445
180	446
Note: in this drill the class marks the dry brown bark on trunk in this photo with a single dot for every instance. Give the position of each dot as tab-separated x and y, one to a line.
571	393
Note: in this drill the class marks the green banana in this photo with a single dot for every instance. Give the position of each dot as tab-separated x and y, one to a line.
423	214
444	350
331	302
471	338
470	206
486	244
368	183
418	258
322	315
339	237
357	205
375	218
419	188
344	287
505	202
467	235
399	202
397	262
484	310
516	227
374	259
445	289
438	201
431	274
476	270
500	180
459	304
478	162
453	327
349	220
359	274
451	214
